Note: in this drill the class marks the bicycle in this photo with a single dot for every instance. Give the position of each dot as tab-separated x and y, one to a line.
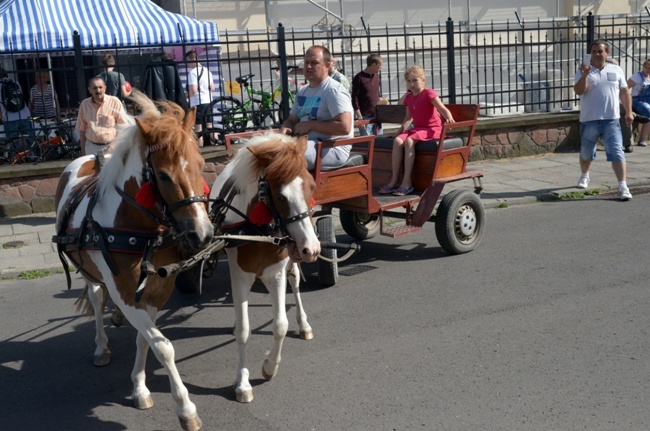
227	114
60	145
42	147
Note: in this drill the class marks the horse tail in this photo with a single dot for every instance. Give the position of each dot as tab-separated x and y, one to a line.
83	304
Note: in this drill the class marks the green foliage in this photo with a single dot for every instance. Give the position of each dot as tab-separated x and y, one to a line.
579	195
31	275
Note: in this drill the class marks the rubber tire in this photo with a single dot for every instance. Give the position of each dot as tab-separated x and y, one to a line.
265	118
358	225
236	123
455	207
328	272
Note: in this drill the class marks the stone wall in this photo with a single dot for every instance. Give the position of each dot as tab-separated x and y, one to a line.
35	194
525	136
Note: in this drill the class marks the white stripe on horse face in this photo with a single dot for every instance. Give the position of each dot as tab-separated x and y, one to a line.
184	164
293	192
301	231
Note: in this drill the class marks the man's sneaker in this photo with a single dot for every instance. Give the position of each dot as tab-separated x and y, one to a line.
628	149
642	144
625	194
583	182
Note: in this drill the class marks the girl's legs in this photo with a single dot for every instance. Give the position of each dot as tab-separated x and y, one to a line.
397	162
409	161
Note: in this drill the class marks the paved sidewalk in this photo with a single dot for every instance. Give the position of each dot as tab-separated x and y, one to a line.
513	181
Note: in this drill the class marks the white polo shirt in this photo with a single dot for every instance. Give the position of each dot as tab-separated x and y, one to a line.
601	101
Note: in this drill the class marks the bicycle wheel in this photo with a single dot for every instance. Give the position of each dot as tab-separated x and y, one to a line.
224	115
264	118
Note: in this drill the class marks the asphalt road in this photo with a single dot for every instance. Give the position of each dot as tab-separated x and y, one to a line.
543	327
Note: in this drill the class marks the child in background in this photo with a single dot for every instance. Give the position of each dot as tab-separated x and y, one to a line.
423	109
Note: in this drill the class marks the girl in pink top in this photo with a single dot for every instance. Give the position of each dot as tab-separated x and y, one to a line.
424	109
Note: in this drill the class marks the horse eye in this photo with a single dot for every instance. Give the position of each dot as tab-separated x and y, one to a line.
281	198
164	176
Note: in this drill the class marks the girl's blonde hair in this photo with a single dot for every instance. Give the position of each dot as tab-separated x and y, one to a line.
646	63
416	72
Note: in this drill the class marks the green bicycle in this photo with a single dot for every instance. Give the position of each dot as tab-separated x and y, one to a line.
228	114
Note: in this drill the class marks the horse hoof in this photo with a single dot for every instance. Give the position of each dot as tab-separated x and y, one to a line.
144	403
244	396
265	374
192	424
306	335
103	359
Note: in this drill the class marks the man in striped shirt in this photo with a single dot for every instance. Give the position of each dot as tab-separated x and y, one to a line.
98	116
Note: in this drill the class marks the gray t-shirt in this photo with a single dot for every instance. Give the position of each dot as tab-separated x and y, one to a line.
323	103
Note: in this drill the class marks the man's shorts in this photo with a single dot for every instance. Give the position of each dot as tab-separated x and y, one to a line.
201	111
610	133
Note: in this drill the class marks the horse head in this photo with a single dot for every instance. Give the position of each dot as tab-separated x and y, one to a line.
172	182
286	188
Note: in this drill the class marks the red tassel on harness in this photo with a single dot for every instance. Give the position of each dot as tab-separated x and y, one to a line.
206	189
312	204
146	196
261	214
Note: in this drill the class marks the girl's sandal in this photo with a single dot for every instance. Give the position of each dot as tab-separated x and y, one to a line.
387	190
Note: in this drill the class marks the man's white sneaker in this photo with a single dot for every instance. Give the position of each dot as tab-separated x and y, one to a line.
625	194
583	182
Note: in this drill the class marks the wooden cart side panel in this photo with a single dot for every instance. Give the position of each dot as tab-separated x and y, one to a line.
335	187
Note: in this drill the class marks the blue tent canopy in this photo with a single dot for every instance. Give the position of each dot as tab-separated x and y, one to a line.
48	25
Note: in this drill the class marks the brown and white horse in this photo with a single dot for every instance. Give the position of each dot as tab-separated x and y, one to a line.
148	199
268	183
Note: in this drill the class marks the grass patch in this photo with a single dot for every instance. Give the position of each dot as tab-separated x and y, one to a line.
579	195
34	274
503	205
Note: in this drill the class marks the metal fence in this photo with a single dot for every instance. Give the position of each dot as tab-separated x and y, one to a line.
509	67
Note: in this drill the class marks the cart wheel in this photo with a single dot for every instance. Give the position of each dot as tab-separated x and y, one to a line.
460	221
328	272
359	225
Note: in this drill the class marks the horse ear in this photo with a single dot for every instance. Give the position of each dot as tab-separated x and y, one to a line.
302	143
189	120
144	127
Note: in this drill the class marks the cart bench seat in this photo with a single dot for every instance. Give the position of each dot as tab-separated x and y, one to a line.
386	142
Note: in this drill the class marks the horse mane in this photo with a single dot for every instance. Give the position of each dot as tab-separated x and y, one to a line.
276	156
166	121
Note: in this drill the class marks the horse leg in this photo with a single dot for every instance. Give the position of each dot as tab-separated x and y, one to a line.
148	332
96	297
241	283
141	395
276	283
293	275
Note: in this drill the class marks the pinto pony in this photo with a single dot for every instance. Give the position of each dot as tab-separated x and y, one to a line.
147	202
267	191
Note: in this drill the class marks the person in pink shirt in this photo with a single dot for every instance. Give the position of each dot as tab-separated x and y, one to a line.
424	110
